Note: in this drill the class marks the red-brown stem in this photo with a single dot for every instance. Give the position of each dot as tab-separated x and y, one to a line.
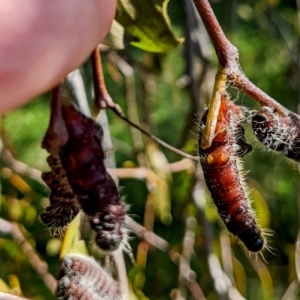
228	57
102	97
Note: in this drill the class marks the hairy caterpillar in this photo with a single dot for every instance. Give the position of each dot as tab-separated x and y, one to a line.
278	130
63	201
220	164
82	278
82	158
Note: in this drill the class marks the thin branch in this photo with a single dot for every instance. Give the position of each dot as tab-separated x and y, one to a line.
118	111
291	292
148	236
187	277
21	168
263	274
122	274
76	84
13	230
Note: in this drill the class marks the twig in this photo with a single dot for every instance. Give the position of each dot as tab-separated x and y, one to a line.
75	81
148	236
227	255
291	291
119	258
118	111
145	173
187	277
5	296
263	274
13	230
21	168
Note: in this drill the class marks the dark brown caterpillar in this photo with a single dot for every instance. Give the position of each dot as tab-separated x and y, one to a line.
221	167
82	158
63	201
278	130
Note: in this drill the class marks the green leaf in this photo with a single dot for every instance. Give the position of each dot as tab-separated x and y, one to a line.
148	22
115	37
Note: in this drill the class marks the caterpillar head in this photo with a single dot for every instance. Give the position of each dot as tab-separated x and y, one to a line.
252	239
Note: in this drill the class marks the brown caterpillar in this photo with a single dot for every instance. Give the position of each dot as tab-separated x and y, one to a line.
63	201
78	178
220	164
82	158
279	130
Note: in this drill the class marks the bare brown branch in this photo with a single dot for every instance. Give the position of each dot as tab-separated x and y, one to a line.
148	236
12	229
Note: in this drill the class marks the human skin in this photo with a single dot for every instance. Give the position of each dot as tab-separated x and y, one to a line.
42	41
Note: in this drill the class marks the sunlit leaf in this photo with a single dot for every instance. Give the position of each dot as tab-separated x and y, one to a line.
148	23
4	287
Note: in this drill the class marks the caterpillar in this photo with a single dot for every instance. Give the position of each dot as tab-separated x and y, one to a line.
221	168
64	206
82	278
278	130
82	158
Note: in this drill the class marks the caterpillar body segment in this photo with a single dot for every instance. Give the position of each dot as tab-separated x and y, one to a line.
83	160
278	130
63	206
222	171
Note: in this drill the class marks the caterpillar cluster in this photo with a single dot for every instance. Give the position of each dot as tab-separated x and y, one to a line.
279	130
222	172
78	178
81	278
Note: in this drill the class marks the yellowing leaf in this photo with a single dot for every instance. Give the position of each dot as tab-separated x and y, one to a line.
115	36
148	22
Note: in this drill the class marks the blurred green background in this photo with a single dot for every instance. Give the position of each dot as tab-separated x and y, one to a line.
267	36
